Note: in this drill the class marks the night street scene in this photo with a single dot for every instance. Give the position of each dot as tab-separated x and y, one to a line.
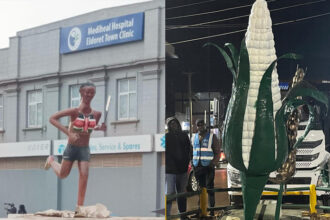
199	82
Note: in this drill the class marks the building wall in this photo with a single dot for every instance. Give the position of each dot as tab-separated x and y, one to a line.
38	65
13	60
4	61
127	183
39	53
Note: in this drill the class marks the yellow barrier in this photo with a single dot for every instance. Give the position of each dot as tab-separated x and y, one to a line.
203	202
165	207
312	199
297	193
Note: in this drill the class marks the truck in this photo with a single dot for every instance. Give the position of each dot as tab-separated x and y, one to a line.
310	159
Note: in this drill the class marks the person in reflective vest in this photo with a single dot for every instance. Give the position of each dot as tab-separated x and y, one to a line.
206	154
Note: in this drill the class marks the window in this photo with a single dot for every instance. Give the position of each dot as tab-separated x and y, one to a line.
74	96
34	109
1	112
127	99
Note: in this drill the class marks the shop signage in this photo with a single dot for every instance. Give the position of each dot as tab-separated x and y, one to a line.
284	85
159	142
25	149
109	145
112	31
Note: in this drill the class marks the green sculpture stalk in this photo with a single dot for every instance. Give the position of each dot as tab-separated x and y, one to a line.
255	137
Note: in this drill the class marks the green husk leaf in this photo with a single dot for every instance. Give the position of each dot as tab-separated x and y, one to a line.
243	69
281	118
305	89
290	102
281	138
233	125
263	142
290	106
234	54
293	56
227	59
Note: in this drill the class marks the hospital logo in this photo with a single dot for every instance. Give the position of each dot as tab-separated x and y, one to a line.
60	149
74	39
162	141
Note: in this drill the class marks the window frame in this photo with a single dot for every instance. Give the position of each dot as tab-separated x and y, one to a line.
28	104
70	95
127	93
3	112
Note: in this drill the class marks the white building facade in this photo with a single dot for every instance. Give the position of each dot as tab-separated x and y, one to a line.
122	51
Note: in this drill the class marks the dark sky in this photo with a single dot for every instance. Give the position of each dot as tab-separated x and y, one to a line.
308	35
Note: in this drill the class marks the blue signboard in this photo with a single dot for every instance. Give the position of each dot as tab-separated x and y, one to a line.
102	33
284	85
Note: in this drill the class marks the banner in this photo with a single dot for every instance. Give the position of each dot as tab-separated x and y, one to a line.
25	149
109	145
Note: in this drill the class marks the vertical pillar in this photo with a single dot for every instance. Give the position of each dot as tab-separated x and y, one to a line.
279	202
151	182
51	104
312	200
99	79
203	202
149	109
150	113
11	113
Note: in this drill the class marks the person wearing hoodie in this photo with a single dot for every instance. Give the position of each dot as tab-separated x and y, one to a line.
178	155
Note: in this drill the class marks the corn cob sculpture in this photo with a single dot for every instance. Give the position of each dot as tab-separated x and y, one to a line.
255	139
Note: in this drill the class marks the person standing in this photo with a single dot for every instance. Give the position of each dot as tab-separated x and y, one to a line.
206	154
21	209
178	155
83	120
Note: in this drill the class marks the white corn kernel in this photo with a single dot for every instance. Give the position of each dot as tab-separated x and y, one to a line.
260	46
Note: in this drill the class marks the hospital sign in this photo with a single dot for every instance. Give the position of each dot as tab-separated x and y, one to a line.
112	31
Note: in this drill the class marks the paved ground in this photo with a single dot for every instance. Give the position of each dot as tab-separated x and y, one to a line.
287	214
222	199
265	210
268	214
33	217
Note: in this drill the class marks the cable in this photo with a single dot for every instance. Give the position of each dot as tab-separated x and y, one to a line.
242	16
238	31
212	12
209	22
202	38
197	3
302	19
297	5
215	26
205	13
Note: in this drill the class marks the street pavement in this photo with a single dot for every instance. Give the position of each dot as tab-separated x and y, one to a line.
221	198
265	210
